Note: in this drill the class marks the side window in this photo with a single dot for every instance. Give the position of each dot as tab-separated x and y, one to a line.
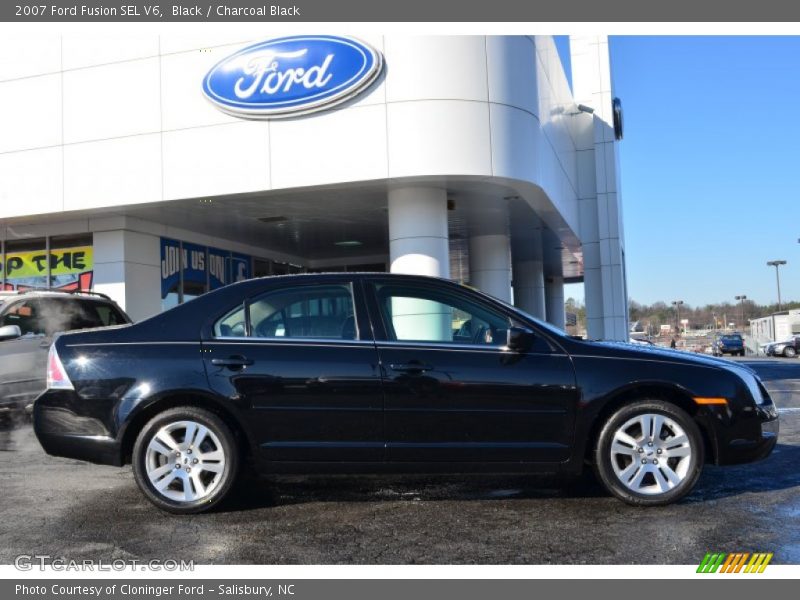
422	314
308	311
25	315
232	324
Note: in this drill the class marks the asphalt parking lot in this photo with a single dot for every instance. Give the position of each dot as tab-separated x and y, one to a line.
79	511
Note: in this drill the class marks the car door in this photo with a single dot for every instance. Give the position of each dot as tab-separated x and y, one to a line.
454	391
300	360
23	360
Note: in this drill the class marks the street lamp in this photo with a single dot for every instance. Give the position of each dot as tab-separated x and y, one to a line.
677	305
741	300
777	264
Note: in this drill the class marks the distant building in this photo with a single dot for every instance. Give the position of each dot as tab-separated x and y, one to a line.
776	327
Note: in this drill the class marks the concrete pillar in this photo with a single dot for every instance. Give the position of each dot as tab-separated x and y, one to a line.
599	199
418	245
554	300
529	287
490	264
418	240
127	268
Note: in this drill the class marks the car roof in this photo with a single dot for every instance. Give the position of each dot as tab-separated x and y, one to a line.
93	296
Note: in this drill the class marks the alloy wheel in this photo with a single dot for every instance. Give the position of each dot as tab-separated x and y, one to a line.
185	461
651	454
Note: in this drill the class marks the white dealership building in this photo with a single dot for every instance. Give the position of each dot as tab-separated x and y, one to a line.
467	157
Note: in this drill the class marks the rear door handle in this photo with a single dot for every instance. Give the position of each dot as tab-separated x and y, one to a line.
232	362
411	367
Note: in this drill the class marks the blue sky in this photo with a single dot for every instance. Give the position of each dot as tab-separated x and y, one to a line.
710	165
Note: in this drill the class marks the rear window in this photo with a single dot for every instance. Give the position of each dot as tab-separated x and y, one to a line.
731	338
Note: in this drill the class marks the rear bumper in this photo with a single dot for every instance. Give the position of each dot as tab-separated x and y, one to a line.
63	432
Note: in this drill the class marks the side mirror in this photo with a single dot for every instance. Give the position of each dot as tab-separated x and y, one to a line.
519	339
10	332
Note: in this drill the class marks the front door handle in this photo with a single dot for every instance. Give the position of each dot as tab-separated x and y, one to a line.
232	362
411	367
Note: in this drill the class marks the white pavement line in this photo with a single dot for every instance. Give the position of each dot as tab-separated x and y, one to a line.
792	409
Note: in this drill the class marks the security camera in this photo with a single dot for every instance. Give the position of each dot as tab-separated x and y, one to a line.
586	109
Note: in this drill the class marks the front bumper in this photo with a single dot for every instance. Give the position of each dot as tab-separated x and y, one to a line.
753	442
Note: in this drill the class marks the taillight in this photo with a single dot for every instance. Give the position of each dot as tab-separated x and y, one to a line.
57	378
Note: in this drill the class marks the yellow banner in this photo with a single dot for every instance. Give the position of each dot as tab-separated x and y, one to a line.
63	261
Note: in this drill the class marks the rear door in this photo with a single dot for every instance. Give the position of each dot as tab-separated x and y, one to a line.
299	359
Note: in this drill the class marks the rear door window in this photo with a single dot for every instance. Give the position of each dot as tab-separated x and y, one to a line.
298	312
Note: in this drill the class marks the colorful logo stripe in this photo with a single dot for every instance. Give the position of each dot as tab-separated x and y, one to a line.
735	562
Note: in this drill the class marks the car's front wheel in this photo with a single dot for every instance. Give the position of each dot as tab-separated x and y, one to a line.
649	453
185	460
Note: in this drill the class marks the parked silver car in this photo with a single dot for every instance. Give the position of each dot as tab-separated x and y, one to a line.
28	321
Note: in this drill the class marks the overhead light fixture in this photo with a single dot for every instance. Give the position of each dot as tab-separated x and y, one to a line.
271	220
348	243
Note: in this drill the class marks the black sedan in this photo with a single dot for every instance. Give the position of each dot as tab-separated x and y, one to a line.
374	372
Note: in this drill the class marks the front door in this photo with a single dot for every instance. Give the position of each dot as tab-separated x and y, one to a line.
454	392
23	360
300	362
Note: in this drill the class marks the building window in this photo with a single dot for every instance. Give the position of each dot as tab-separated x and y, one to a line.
56	262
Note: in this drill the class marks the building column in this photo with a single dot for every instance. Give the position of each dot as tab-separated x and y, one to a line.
554	300
418	245
418	239
490	264
529	287
127	268
599	199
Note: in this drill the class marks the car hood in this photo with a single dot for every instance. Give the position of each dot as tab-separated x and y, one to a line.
657	353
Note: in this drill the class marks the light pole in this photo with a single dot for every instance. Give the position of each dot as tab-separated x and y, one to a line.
741	300
777	264
677	305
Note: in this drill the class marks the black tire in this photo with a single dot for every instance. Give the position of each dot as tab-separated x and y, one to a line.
604	470
789	352
227	444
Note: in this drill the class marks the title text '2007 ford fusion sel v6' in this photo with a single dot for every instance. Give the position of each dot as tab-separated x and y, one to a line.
375	372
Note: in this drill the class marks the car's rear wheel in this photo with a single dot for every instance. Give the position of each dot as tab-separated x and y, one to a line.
789	352
649	453
185	460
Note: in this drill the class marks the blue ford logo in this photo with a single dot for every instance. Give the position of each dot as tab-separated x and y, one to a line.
292	75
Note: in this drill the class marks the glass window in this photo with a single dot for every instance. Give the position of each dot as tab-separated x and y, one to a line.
309	311
422	314
67	314
24	315
232	324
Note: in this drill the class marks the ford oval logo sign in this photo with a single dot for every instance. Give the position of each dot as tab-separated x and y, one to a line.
290	76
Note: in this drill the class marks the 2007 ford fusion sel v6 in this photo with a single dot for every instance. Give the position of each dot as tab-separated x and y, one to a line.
374	372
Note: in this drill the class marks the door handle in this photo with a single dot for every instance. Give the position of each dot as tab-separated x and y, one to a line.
232	362
411	367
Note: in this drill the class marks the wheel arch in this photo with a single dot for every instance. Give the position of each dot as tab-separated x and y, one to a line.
193	398
667	392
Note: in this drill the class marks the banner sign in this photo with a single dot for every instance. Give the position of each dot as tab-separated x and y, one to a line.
63	261
200	264
70	269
